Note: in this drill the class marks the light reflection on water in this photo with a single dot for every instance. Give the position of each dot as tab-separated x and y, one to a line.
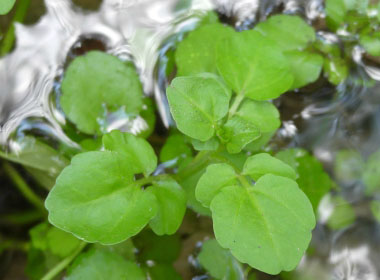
142	31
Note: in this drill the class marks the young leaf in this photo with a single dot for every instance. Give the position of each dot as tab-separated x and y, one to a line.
238	132
171	200
262	114
260	164
216	177
105	81
96	199
219	262
309	171
138	150
289	32
253	65
196	53
6	6
210	145
102	264
267	226
197	104
305	66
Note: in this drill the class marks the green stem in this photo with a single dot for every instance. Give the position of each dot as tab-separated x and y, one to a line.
243	180
64	263
195	166
23	187
10	36
23	218
235	105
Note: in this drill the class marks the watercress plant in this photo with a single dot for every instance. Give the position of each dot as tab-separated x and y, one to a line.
218	163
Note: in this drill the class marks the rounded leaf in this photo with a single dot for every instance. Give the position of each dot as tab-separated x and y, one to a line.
197	103
261	164
138	150
95	199
267	226
95	84
171	201
253	65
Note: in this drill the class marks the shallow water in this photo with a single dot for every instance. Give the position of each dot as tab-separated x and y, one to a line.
321	118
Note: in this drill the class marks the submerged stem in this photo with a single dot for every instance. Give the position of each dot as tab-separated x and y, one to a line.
24	188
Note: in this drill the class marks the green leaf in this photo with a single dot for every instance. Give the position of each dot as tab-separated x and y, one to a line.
289	32
261	164
189	184
197	103
267	226
163	272
210	145
104	80
6	6
196	53
375	208
238	132
312	179
219	262
335	11
306	67
371	174
35	154
102	264
336	70
262	114
44	179
371	43
61	243
38	236
36	265
160	249
171	199
95	198
216	177
175	147
138	150
253	65
343	214
260	143
126	249
348	166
